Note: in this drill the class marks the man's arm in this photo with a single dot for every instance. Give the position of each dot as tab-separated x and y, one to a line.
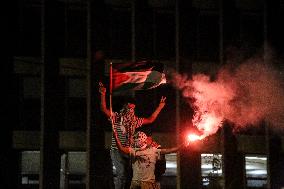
104	109
155	114
174	149
169	150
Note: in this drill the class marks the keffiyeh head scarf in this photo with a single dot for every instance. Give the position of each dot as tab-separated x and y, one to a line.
140	139
127	121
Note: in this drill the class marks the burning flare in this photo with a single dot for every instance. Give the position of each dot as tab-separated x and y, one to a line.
193	137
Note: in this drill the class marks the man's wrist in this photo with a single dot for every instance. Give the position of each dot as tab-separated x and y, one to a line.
161	105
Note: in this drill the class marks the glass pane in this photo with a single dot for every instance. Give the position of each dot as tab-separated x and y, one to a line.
73	170
256	172
77	163
211	168
168	179
30	165
171	164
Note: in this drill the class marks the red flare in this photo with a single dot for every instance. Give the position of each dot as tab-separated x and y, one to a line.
193	137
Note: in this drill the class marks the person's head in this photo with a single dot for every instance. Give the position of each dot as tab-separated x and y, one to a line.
129	105
140	139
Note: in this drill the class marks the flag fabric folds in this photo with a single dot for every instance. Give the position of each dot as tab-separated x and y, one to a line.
141	75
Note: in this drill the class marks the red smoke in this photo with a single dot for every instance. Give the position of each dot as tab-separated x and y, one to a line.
244	95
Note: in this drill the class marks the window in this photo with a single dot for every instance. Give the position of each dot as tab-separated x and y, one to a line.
211	168
168	179
30	163
171	165
73	169
256	172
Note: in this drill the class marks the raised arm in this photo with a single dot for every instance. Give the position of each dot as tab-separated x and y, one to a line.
174	149
155	114
104	109
123	149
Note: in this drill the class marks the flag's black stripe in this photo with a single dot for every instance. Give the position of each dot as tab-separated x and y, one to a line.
138	66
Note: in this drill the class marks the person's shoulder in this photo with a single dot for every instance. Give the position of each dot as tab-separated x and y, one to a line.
139	118
157	150
134	151
152	149
115	114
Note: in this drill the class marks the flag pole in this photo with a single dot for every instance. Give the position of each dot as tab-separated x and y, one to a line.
110	87
110	94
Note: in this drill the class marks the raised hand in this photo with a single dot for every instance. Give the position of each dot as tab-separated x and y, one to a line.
102	89
163	102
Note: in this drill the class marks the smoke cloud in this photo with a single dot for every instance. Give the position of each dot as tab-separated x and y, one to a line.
244	95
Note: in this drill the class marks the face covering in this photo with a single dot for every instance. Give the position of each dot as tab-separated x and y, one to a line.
140	139
127	122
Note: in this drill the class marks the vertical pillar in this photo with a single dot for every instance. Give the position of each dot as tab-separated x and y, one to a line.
90	129
273	34
189	160
190	170
133	30
273	38
276	162
52	95
232	160
177	51
229	30
99	167
266	40
9	157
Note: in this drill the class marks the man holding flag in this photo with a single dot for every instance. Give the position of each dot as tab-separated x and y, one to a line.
125	122
125	77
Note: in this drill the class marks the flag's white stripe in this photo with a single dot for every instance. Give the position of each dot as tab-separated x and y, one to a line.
137	77
141	78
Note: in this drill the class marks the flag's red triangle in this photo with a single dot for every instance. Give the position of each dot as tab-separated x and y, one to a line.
119	78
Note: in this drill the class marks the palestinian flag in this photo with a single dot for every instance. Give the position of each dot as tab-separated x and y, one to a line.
141	75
